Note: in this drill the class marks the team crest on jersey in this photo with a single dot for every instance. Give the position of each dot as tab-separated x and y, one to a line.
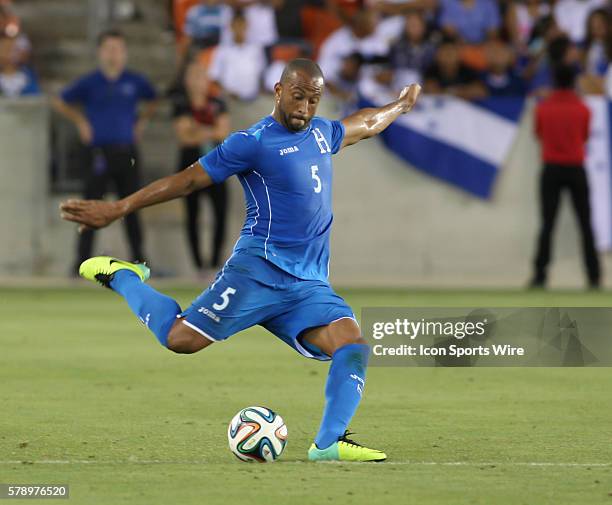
288	150
321	141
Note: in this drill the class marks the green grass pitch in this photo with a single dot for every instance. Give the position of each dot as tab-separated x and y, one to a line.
89	398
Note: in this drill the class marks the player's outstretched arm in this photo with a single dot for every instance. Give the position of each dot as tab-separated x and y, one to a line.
99	213
366	123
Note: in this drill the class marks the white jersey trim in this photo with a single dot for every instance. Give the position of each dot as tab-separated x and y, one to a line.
256	203
270	211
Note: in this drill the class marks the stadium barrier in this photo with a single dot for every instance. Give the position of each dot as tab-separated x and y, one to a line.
393	226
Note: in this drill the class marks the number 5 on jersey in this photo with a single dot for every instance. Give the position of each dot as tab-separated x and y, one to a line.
317	179
224	299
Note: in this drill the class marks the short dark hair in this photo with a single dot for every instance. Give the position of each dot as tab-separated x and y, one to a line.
301	64
558	48
112	33
564	76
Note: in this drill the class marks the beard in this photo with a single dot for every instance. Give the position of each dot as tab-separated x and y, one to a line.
296	124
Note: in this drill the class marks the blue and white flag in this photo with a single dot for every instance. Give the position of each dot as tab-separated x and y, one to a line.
463	143
598	164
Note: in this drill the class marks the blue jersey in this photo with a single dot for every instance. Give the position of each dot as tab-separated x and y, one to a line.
287	182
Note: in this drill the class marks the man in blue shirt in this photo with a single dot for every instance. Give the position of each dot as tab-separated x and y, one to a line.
110	126
277	274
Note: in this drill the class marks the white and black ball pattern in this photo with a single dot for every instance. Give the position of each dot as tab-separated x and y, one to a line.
257	434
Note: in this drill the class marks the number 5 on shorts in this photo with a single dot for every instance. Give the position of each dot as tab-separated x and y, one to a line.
225	297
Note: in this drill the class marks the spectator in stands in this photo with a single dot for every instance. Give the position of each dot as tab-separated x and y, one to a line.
596	52
535	65
237	66
110	126
413	52
204	24
10	26
572	15
288	15
544	31
471	21
562	126
201	122
343	43
449	75
500	78
15	79
347	81
9	23
260	20
598	40
558	51
363	36
520	20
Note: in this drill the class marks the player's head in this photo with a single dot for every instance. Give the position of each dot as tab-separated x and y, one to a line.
298	93
112	51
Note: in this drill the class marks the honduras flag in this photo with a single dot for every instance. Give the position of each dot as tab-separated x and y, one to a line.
463	143
598	165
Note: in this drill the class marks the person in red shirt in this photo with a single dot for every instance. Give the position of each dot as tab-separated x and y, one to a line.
562	127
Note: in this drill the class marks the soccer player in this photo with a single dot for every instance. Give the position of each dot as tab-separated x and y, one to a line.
277	274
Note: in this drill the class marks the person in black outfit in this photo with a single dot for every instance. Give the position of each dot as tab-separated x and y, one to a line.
201	123
562	126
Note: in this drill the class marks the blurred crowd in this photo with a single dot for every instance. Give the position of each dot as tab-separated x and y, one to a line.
468	48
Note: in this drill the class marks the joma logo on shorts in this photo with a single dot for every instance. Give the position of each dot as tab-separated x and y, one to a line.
288	150
210	314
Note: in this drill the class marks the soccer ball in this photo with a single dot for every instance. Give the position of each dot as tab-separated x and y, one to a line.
257	434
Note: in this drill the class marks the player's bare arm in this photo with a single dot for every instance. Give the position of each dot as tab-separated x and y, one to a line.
366	123
99	213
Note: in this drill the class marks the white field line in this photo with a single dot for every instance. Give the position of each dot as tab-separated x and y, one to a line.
386	463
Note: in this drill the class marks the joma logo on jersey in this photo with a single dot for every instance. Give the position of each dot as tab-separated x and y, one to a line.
288	150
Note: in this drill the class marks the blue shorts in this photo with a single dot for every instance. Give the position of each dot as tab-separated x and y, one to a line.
252	291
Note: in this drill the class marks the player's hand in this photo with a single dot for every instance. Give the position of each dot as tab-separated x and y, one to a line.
90	214
85	132
408	96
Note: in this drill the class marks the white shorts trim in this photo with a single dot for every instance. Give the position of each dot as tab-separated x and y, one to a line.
203	333
346	317
302	350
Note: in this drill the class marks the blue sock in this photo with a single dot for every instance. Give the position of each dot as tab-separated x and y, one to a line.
156	311
343	391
